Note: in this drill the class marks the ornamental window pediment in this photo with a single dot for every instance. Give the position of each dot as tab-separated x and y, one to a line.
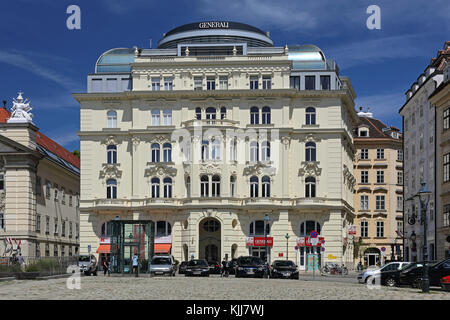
159	169
310	168
110	171
259	168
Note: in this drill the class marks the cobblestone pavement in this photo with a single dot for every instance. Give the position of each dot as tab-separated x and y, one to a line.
210	288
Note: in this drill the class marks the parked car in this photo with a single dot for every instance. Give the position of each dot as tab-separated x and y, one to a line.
162	265
197	268
436	271
445	283
249	266
182	267
214	267
88	264
390	276
284	269
362	277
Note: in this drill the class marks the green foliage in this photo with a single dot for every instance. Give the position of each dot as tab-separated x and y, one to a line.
10	268
76	153
49	265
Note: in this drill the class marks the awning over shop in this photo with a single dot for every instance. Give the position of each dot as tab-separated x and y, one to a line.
162	247
104	248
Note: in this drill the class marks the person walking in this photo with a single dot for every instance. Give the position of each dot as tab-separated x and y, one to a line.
20	259
105	266
135	264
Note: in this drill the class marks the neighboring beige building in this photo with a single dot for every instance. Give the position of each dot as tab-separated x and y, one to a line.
441	101
379	191
196	142
39	182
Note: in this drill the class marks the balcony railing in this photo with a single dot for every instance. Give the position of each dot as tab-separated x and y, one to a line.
210	122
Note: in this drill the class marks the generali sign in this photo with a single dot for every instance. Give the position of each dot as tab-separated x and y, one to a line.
213	25
259	241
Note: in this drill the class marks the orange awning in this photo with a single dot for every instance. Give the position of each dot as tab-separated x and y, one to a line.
162	247
104	248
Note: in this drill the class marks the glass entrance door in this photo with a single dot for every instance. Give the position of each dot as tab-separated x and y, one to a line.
260	252
128	252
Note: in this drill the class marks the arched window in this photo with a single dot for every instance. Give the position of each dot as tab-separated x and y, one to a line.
254	187
111	151
211	225
204	184
111	189
112	119
205	150
232	186
257	228
215	186
265	187
188	187
310	115
306	227
210	113
310	191
155	152
265	155
167	117
167	187
233	147
215	149
198	113
265	115
156	117
254	115
106	229
163	229
223	113
254	151
310	151
155	187
167	152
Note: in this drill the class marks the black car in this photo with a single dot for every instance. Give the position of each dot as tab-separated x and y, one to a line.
436	271
284	269
197	268
390	275
214	267
182	267
249	267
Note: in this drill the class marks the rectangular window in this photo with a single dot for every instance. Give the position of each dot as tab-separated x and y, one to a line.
310	82
364	155
400	226
294	82
167	117
380	176
223	83
400	155
2	221
77	229
399	203
380	153
447	167
38	186
399	177
156	84
47	250
70	229
38	223
325	82
446	119
56	226
267	82
48	187
253	83
446	216
56	192
111	85
380	203
364	202
38	250
47	224
55	250
364	176
380	229
168	84
70	199
364	226
63	228
210	83
63	196
198	83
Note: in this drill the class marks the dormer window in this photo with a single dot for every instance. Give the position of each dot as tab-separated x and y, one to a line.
363	132
394	135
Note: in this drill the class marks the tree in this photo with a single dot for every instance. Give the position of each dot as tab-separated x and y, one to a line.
76	153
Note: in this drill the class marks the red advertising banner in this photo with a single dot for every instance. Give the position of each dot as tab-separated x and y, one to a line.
259	241
305	242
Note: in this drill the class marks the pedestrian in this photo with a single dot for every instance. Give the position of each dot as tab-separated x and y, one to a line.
20	259
105	266
135	264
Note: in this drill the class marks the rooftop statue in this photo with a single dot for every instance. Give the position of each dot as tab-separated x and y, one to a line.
20	111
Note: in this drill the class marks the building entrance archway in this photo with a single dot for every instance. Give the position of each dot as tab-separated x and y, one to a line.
210	239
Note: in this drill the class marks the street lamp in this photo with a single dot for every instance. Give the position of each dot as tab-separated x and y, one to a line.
287	246
266	221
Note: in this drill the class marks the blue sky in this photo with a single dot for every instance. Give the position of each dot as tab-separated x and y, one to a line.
41	57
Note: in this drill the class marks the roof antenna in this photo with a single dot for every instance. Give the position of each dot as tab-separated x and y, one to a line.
4	104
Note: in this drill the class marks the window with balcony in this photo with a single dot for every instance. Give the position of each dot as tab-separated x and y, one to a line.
254	83
267	82
211	114
265	187
111	119
167	152
155	183
215	190
310	82
167	187
111	152
310	190
310	116
155	152
111	189
310	151
156	84
254	115
254	187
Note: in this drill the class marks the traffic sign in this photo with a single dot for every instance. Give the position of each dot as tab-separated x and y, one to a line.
383	249
296	247
323	248
314	234
89	248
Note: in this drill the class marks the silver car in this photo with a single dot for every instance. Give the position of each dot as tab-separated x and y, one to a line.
362	277
88	265
162	265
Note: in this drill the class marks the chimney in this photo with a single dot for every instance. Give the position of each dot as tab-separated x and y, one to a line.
4	104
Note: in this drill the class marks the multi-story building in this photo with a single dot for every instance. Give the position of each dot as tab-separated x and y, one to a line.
378	168
419	134
213	141
440	99
39	188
